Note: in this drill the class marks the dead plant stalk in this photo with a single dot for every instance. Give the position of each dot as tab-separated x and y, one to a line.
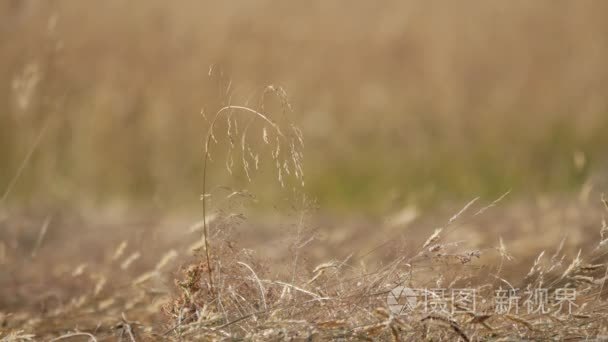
209	137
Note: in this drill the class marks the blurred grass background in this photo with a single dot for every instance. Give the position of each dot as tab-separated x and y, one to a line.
399	102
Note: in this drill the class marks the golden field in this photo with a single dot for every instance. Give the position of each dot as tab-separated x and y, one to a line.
358	147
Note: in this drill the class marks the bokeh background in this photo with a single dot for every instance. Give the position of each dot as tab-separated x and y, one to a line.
400	102
487	118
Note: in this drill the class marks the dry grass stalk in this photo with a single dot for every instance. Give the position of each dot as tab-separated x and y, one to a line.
292	139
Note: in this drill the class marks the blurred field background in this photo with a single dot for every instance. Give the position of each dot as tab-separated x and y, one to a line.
409	110
403	102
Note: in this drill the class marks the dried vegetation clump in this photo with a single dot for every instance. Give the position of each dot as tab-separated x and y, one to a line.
343	300
154	283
